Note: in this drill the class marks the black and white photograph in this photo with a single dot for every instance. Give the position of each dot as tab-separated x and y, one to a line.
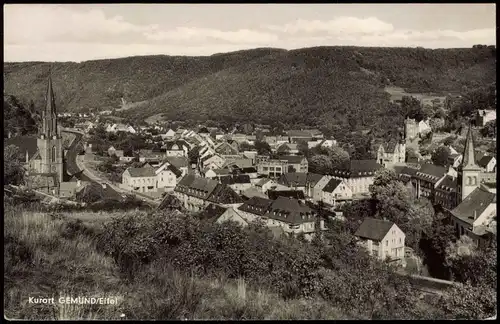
250	161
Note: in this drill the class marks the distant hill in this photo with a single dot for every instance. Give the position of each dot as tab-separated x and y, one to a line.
310	86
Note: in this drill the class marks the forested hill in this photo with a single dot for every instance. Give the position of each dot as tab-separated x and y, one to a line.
310	86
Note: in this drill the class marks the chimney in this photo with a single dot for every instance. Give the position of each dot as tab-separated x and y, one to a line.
27	157
475	215
10	134
78	183
103	185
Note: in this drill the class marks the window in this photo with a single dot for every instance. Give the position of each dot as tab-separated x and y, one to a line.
386	242
53	153
399	240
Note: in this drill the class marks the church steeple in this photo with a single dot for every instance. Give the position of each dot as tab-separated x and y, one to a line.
49	114
468	157
50	100
468	173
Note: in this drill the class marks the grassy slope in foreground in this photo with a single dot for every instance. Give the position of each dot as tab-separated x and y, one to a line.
52	256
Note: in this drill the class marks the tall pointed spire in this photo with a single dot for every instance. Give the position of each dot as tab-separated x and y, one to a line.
469	159
50	108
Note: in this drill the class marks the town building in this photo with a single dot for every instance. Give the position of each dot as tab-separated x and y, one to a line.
141	180
196	193
484	116
176	148
391	153
301	181
336	192
383	239
358	175
291	215
274	168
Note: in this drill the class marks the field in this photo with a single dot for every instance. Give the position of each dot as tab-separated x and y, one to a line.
397	93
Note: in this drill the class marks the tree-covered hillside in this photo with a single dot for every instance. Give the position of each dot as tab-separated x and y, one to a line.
342	86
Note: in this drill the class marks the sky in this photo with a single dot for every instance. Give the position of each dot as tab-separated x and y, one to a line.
80	32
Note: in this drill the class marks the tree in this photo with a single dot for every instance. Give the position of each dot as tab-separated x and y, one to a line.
321	164
449	140
303	148
411	153
262	148
245	146
469	302
490	129
412	108
440	156
193	155
259	135
437	123
13	172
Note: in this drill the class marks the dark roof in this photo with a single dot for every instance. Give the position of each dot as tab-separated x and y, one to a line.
252	192
24	143
222	194
212	212
174	170
331	185
430	172
256	205
483	162
290	211
248	170
234	179
296	194
170	201
477	201
409	171
196	186
262	182
292	159
178	162
358	168
141	172
448	183
300	179
180	143
390	146
373	229
299	133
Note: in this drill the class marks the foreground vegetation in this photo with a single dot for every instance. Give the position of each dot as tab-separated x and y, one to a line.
164	265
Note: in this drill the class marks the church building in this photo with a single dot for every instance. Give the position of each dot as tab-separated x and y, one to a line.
44	153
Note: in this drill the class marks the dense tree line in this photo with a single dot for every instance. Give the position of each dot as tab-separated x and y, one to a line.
18	120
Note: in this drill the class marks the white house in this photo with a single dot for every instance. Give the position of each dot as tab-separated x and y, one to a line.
484	116
475	213
488	163
167	176
169	134
423	127
336	191
139	179
382	239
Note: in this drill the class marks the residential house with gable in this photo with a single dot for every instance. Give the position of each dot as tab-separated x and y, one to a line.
383	239
176	148
167	176
291	215
427	176
301	181
336	192
358	175
484	116
391	153
488	164
139	180
196	193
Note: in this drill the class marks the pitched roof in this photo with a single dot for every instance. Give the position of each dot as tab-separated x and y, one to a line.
212	212
296	194
180	144
223	194
430	172
290	211
292	159
240	163
358	168
256	205
177	161
234	179
373	229
262	182
483	162
221	172
477	201
448	183
174	170
299	133
332	185
141	172
170	201
23	143
253	192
